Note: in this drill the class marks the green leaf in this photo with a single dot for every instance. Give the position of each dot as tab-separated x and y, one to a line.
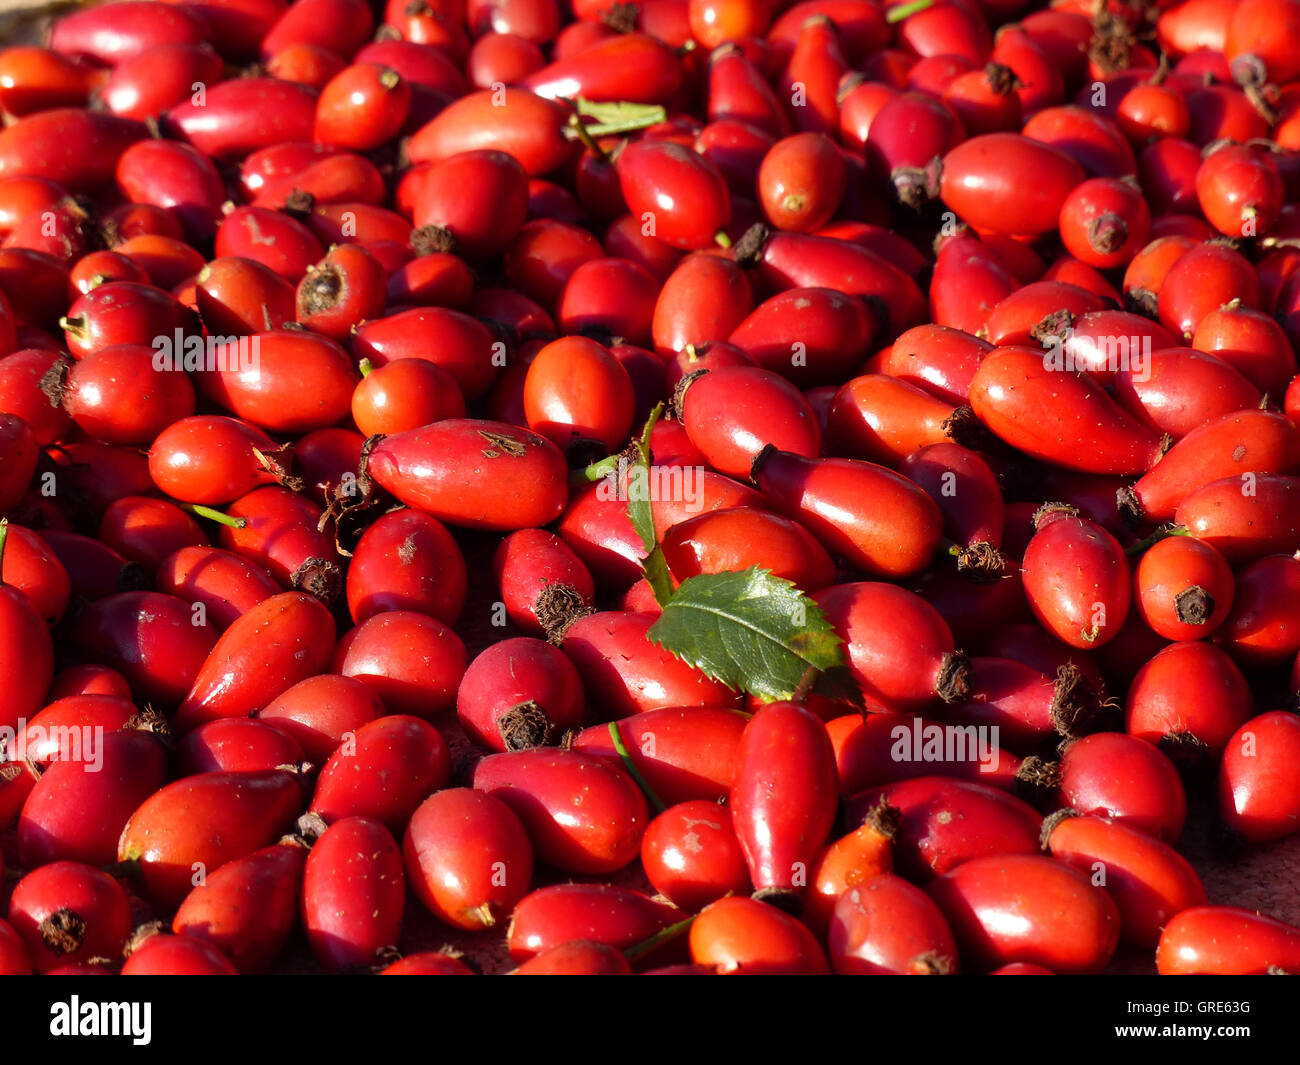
638	480
619	110
750	630
641	513
903	11
619	116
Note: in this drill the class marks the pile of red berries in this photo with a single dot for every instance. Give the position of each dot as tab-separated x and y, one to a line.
683	486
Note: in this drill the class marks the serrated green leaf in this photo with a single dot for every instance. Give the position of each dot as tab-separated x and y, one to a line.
750	630
837	684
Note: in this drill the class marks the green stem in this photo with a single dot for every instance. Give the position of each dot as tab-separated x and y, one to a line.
658	576
366	367
647	433
626	755
583	134
721	239
1162	533
200	511
4	538
806	684
664	935
597	471
75	325
903	11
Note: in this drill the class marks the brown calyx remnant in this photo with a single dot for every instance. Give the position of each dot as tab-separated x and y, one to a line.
63	931
558	606
525	726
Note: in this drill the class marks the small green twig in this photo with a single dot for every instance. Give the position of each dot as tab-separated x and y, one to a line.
200	511
806	685
1162	533
583	134
664	935
597	471
626	755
